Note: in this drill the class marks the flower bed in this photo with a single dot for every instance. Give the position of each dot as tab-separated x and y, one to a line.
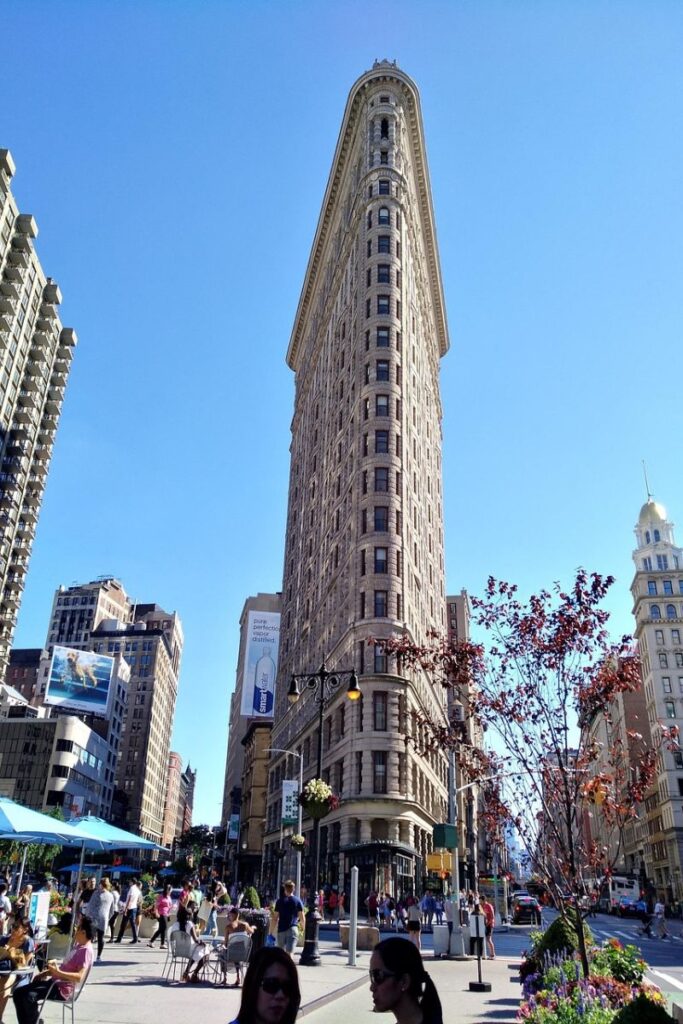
555	991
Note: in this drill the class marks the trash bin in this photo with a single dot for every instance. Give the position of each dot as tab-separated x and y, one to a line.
441	940
260	921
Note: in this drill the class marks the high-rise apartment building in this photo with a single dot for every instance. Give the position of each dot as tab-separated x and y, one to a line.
175	768
239	724
657	590
35	359
152	646
364	541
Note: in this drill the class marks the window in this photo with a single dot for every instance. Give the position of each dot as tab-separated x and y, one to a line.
382	370
671	611
655	611
657	537
383	305
364	486
381	442
381	405
647	564
369	247
383	218
382	479
380	659
678	759
359	769
380	703
384	187
659	636
675	636
679	659
384	129
668	586
381	560
381	602
662	562
383	244
362	562
383	274
384	157
670	708
369	218
663	660
362	604
379	771
364	521
383	337
666	683
381	519
652	588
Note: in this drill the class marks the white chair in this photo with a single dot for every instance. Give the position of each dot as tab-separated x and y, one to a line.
179	952
66	1004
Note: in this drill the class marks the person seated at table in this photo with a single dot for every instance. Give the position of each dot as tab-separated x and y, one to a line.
233	927
27	998
198	955
18	947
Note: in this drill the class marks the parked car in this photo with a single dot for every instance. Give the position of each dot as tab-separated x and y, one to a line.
525	910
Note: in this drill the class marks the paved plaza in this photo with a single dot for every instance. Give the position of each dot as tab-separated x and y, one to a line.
127	989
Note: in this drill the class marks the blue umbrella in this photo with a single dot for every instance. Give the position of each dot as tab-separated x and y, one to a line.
99	834
96	834
26	825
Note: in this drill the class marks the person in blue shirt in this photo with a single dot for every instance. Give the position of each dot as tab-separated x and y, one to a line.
288	915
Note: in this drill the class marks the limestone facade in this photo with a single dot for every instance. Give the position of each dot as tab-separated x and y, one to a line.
364	540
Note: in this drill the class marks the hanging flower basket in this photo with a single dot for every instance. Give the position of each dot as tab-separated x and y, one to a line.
298	842
280	853
317	799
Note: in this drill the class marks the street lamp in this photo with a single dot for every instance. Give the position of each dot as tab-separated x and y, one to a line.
324	685
299	827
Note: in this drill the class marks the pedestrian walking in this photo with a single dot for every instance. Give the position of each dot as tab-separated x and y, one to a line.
400	985
489	921
130	911
98	911
163	908
271	992
660	921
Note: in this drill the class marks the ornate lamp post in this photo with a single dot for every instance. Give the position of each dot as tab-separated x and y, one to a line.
324	685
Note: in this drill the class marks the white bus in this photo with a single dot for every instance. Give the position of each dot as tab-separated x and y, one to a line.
613	888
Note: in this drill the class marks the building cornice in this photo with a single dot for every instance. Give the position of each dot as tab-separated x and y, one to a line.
383	72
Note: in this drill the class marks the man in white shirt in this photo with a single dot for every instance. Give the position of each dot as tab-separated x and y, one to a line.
130	913
5	909
660	922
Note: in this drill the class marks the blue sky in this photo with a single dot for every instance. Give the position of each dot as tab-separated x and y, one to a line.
175	156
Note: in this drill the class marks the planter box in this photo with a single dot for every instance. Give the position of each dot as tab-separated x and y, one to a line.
367	936
148	926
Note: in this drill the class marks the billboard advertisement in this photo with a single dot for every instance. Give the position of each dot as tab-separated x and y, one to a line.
79	681
234	827
290	802
260	664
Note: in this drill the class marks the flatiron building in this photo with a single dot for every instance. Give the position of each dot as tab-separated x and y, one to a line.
364	541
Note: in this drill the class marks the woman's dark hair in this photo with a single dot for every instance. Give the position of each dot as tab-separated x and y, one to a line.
402	957
182	917
85	925
258	965
168	889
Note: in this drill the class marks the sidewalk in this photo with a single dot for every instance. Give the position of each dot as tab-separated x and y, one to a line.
127	989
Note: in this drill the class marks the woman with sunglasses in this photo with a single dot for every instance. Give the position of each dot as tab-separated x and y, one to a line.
270	993
399	984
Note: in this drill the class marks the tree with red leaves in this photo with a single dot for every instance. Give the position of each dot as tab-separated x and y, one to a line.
546	670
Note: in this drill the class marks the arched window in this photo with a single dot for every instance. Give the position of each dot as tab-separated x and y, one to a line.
671	611
383	216
370	225
647	536
384	129
655	612
657	537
